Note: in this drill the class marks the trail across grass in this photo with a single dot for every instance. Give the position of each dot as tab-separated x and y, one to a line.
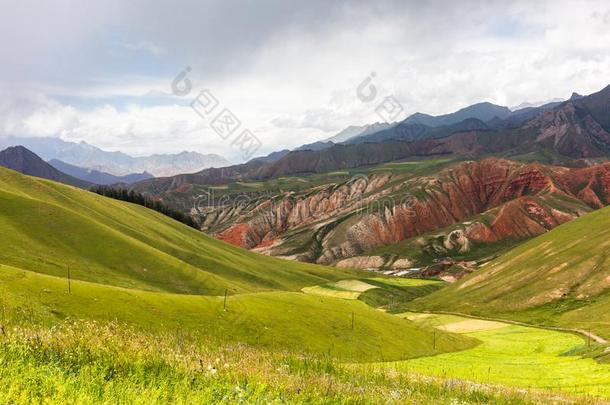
514	356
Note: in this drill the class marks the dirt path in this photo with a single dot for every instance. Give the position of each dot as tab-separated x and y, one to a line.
582	332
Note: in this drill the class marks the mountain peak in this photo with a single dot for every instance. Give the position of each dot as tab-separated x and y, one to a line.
483	111
18	149
23	160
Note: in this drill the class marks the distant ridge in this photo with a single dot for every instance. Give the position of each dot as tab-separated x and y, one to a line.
97	177
88	156
24	161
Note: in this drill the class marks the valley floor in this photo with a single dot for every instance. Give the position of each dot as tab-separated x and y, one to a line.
513	355
84	361
508	354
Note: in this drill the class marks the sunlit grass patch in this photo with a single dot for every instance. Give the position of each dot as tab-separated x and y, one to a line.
346	289
515	356
89	362
472	325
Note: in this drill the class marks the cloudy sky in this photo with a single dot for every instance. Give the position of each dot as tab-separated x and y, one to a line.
102	71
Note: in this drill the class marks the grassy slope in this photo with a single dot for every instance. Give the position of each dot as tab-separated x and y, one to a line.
515	356
561	277
280	320
50	228
85	362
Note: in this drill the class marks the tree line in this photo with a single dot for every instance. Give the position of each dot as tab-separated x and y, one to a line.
140	199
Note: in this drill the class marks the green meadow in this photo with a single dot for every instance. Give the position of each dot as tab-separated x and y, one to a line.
515	356
55	229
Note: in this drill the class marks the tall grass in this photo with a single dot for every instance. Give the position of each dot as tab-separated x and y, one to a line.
86	361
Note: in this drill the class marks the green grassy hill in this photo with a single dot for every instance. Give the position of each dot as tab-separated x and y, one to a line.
278	320
560	278
50	228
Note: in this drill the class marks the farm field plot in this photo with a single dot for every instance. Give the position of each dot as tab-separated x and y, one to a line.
513	356
374	291
346	289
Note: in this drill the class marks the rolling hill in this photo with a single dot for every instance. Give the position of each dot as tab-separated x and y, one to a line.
50	228
559	278
71	254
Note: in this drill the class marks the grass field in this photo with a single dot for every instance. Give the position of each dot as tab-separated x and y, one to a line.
86	362
277	320
513	356
52	229
389	294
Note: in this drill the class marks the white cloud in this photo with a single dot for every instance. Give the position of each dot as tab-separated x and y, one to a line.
146	47
288	71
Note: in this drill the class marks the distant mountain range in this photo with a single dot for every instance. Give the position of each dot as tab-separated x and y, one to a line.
354	131
24	161
574	129
480	116
97	177
90	157
481	111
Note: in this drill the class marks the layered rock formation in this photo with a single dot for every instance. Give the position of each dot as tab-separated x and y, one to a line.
503	199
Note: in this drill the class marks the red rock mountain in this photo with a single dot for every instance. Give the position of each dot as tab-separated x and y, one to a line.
493	201
474	202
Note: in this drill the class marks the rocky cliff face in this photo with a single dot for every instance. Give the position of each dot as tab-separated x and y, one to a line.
475	202
571	131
